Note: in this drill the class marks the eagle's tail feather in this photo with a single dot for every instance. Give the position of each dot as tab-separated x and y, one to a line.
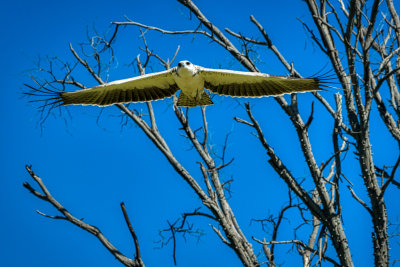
186	101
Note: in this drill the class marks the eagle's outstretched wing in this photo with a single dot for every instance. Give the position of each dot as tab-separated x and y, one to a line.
138	89
253	84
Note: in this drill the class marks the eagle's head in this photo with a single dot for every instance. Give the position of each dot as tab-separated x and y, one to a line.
185	68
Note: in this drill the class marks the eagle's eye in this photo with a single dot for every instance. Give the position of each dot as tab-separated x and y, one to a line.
179	64
187	63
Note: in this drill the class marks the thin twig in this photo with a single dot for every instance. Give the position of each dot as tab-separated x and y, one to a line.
360	200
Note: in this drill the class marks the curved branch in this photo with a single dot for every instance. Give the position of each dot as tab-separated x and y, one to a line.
148	27
46	196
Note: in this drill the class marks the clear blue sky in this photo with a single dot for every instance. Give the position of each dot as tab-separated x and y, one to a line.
90	166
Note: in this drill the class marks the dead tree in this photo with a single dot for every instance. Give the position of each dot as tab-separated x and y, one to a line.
349	36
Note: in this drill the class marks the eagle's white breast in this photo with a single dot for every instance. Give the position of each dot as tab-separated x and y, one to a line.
188	79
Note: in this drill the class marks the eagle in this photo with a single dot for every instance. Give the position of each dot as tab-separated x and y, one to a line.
192	80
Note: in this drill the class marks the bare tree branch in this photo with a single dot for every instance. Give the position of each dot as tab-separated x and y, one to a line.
134	237
46	196
297	242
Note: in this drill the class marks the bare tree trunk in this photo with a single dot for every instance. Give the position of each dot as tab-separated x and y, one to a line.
378	207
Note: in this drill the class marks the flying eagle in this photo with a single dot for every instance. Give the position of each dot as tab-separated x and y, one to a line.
192	80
